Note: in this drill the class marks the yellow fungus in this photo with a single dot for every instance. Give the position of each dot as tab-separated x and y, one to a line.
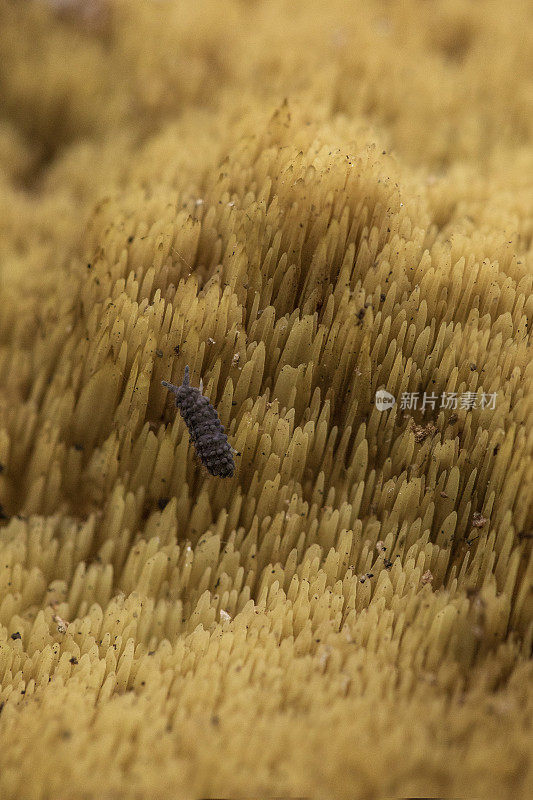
306	203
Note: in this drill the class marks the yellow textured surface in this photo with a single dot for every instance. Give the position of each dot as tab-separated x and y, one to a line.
305	202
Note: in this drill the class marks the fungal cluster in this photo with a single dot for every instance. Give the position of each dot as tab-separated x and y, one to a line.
353	609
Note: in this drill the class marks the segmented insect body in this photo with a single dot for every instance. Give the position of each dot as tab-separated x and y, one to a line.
205	428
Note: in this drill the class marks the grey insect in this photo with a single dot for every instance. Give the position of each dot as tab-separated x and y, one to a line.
205	428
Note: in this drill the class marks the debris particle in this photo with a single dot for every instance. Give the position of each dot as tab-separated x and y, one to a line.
224	616
61	623
478	520
345	684
427	577
422	432
16	635
323	658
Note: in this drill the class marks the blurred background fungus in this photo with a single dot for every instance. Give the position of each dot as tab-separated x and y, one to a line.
306	202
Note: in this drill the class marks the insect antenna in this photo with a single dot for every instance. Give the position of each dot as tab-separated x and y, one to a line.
170	386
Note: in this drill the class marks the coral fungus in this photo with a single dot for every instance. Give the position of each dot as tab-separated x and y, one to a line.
307	203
